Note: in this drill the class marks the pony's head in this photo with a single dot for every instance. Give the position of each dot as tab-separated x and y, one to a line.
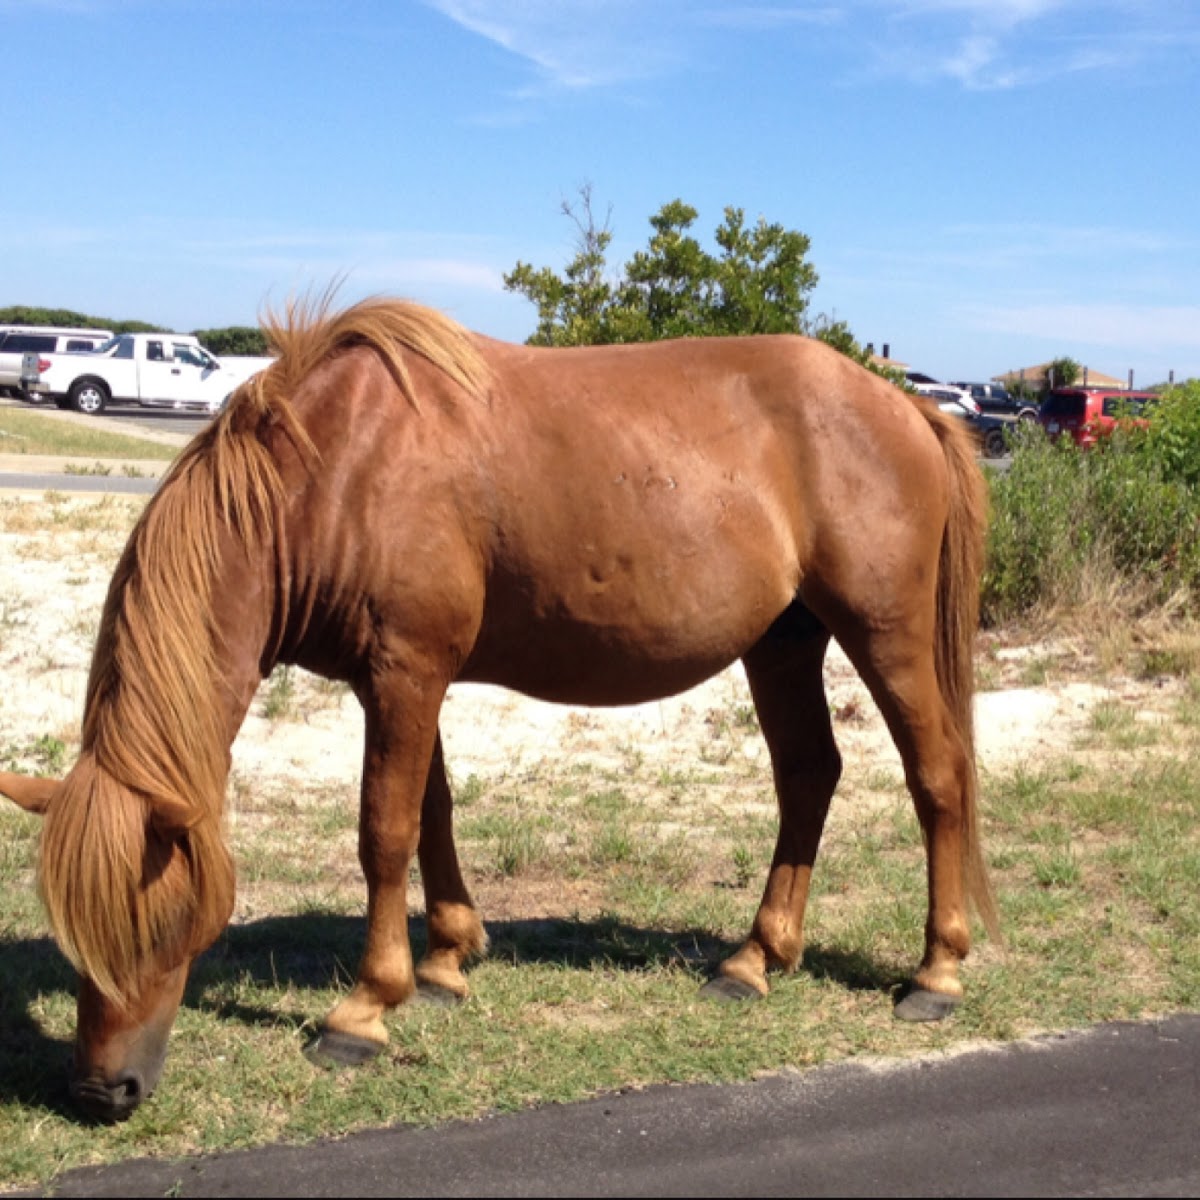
134	872
134	891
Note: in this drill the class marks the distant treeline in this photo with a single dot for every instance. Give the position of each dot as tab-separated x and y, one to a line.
235	339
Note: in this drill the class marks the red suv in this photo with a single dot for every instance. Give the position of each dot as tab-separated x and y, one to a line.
1088	414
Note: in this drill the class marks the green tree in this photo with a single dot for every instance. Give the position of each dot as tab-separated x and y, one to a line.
234	339
65	318
575	309
757	281
1022	389
1063	372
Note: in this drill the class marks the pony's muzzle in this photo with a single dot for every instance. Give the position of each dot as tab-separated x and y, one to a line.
108	1102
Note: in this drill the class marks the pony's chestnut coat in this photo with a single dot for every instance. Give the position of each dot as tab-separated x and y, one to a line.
401	504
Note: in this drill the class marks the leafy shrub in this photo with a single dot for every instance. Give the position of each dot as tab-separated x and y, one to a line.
235	339
1173	439
1036	545
1121	521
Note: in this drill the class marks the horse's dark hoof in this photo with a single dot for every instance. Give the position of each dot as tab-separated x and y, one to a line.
725	988
435	994
330	1048
921	1005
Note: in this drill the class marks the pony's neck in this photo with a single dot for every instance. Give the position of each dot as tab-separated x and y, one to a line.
181	643
247	623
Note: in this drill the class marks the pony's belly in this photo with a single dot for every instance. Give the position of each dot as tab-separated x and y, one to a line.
573	663
621	620
607	685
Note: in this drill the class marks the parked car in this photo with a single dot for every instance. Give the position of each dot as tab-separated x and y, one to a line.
161	370
18	340
1086	415
990	431
947	394
992	398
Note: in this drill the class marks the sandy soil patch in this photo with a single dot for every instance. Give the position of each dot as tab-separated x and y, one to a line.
52	585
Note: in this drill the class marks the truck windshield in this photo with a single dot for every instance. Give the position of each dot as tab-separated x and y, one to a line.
193	355
120	346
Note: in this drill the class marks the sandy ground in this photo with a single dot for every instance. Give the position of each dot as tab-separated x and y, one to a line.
52	585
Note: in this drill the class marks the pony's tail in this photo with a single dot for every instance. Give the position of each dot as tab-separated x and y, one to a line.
957	622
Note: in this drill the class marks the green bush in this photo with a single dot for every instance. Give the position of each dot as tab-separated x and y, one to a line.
1119	522
1173	439
235	339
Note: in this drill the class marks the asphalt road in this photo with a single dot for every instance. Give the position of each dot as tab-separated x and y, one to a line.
1112	1111
118	418
37	481
161	420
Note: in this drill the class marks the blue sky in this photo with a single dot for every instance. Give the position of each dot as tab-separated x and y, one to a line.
987	184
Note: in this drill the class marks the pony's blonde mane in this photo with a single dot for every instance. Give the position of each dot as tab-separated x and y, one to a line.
308	334
155	747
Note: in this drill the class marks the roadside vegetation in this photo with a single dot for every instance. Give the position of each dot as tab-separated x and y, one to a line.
233	339
29	432
1109	536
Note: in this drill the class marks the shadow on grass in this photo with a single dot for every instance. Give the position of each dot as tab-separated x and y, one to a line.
33	1065
320	950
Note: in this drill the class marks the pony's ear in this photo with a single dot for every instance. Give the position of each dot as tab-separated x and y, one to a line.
173	817
33	795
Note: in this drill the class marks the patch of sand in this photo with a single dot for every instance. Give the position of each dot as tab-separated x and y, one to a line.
53	587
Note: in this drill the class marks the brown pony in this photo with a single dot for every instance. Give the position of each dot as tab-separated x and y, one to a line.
400	504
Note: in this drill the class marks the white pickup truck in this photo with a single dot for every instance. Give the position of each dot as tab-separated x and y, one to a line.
160	370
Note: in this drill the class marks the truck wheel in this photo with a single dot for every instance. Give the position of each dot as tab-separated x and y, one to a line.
995	444
88	396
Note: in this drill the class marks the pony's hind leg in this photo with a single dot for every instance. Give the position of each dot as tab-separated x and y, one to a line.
898	667
785	674
455	932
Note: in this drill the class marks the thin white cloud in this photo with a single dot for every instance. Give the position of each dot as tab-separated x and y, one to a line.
1016	252
996	12
364	263
765	17
409	260
581	45
410	273
1003	44
1150	327
1017	241
977	44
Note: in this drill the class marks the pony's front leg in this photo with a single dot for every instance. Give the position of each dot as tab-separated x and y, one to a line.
455	932
401	729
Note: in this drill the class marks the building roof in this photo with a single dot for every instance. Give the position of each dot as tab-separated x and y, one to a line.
1036	377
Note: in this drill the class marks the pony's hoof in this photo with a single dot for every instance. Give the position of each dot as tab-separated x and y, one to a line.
921	1005
331	1048
727	989
435	994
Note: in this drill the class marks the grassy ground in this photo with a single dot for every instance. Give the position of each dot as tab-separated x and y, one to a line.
29	432
610	890
611	897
